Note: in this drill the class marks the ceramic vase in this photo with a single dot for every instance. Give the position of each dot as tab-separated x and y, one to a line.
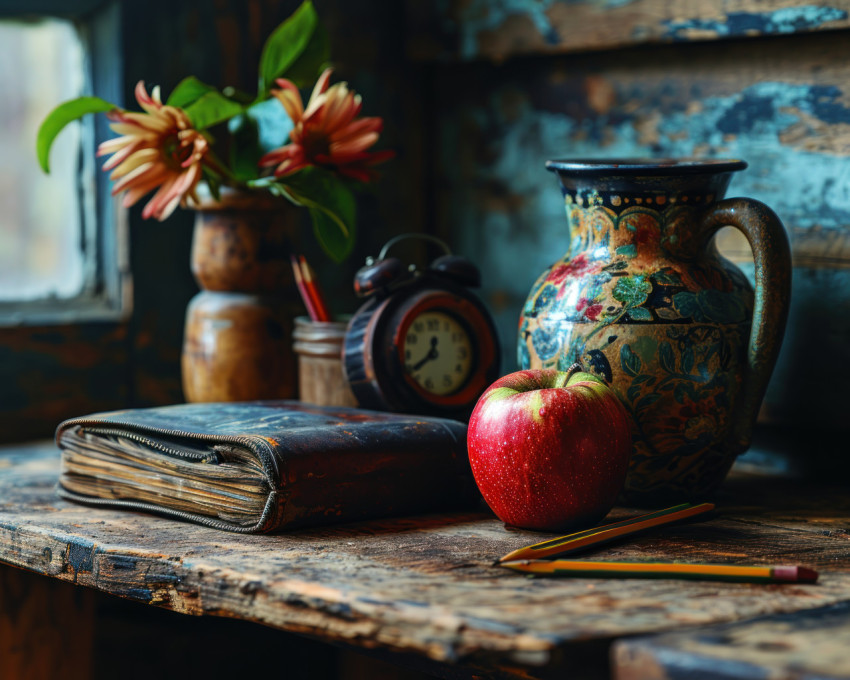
643	299
238	335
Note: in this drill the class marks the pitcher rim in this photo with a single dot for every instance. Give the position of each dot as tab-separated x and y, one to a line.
644	166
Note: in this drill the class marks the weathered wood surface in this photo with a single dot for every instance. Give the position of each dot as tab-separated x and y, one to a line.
425	585
780	105
796	646
475	29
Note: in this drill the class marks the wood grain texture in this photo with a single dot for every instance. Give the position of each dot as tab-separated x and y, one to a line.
475	29
796	646
424	586
46	628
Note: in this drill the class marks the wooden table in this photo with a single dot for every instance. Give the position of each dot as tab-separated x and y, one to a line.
423	587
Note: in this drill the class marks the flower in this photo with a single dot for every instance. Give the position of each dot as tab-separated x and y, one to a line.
204	134
327	132
576	267
590	308
158	148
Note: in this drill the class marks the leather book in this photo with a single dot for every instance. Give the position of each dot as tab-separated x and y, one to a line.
258	467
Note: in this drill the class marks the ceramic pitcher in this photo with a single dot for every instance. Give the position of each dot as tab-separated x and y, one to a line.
643	299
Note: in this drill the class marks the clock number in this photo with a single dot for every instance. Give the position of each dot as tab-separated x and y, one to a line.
437	353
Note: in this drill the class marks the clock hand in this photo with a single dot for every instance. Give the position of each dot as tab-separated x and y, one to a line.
432	354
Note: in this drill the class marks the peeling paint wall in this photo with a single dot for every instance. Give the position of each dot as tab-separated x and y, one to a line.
783	105
498	29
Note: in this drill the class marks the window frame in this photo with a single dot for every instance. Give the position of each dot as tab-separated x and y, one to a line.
107	288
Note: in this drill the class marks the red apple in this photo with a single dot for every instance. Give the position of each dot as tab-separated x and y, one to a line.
549	450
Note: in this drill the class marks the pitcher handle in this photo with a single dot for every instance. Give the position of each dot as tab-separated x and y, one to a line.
772	255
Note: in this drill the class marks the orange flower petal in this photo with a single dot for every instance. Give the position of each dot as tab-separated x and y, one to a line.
150	104
354	145
321	83
120	155
137	176
279	155
290	97
140	157
158	150
327	132
164	201
356	128
289	168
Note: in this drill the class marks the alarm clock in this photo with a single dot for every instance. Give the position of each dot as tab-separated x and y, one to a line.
422	342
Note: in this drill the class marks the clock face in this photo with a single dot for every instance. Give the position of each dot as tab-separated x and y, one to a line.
437	352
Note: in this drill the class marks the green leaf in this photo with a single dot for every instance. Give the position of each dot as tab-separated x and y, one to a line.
245	150
58	118
188	91
237	95
667	278
688	360
305	70
615	266
668	358
633	392
213	180
334	236
260	128
640	314
688	306
632	291
629	361
286	45
332	209
647	400
710	305
211	109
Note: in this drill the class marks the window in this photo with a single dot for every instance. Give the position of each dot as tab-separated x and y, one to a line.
60	243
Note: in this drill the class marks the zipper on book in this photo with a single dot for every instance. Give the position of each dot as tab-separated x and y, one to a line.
126	429
258	445
210	457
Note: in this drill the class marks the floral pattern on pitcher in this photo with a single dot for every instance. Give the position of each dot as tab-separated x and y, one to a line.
667	335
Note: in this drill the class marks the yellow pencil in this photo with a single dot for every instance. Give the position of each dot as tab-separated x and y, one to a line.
700	572
609	532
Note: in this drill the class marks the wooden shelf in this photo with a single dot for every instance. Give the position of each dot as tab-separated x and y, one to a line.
424	586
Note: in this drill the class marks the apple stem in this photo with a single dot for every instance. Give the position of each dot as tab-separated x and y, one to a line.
572	370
